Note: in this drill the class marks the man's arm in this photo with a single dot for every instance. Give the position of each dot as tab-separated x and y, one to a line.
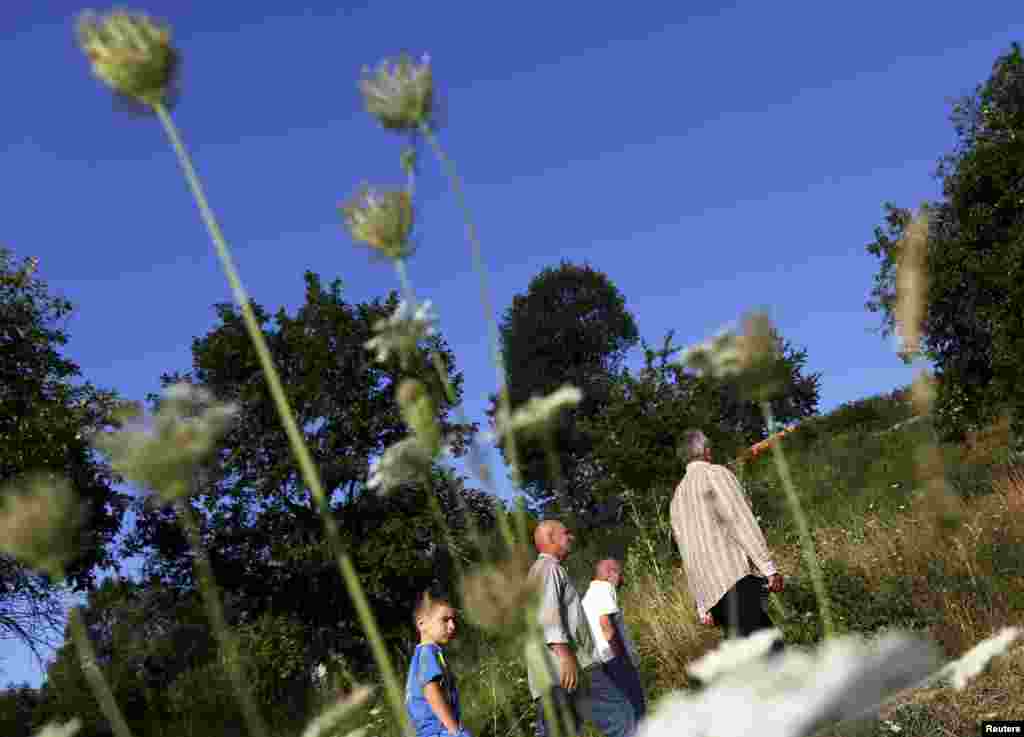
611	634
739	519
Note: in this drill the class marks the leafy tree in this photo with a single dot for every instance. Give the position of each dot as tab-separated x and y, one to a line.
974	319
261	526
570	327
18	706
46	416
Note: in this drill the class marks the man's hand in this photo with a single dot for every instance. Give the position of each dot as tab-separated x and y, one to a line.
708	620
775	584
566	666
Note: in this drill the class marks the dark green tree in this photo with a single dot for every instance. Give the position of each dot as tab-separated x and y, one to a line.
974	319
570	327
46	416
261	526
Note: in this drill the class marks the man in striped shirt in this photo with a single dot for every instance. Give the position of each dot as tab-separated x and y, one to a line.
721	544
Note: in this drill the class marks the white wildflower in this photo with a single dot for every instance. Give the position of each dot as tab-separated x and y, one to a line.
402	332
400	93
335	713
404	462
381	219
185	428
974	661
539	412
796	692
733	653
68	729
718	356
39	518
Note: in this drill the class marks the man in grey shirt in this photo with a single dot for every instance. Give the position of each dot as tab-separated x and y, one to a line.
581	690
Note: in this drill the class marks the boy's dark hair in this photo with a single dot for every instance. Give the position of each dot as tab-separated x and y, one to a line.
426	602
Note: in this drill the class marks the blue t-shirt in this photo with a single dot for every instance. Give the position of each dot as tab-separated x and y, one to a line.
428	664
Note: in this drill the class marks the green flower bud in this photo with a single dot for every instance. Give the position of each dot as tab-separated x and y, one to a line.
130	53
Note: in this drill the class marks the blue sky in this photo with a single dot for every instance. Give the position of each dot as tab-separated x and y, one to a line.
709	158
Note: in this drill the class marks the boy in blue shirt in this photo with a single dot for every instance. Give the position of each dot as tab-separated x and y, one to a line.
431	696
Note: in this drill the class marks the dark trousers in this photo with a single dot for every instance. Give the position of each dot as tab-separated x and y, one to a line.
624	674
741	613
598	700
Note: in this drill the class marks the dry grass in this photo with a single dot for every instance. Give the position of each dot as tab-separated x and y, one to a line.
662	617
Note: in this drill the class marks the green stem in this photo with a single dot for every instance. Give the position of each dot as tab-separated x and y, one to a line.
98	684
215	612
298	445
478	265
806	541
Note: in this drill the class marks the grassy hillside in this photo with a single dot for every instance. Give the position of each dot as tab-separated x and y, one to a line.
891	557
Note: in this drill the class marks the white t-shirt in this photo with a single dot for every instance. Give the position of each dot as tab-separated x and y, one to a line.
601	598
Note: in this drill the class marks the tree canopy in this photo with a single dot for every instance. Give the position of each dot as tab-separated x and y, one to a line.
46	415
570	327
974	316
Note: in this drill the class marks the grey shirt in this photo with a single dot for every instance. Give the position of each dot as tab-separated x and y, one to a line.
562	620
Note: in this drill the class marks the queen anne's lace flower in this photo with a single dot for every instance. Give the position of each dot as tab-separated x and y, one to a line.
68	729
404	462
794	693
733	653
39	516
381	219
185	429
538	413
399	93
130	53
323	724
402	332
975	660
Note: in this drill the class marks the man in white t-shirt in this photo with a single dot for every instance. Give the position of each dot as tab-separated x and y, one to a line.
613	647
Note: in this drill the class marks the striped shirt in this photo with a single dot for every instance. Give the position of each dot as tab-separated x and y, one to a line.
719	540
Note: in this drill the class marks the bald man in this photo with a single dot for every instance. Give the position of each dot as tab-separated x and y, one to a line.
614	647
581	690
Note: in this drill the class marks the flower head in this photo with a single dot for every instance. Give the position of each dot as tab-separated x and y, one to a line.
539	413
420	414
380	219
130	53
402	332
185	428
911	285
751	356
975	660
499	597
68	729
402	463
796	692
324	723
399	93
733	653
39	519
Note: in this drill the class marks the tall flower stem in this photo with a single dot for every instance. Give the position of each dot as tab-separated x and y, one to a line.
100	689
478	265
215	611
295	439
806	541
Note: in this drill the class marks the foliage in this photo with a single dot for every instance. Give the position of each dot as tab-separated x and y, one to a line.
973	326
260	524
18	704
46	415
570	327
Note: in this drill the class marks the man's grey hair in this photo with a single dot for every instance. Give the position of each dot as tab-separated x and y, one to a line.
692	446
